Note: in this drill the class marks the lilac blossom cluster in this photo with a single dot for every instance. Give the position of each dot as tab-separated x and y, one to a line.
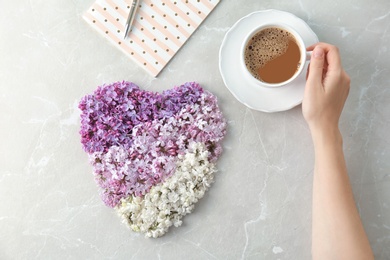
109	115
134	137
168	202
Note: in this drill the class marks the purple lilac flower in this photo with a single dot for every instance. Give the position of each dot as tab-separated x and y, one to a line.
109	115
134	137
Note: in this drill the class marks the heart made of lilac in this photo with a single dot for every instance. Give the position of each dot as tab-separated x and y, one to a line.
133	137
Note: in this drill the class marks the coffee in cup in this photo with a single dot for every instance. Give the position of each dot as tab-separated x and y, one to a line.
273	55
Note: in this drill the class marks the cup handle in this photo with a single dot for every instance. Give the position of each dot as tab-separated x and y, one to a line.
308	55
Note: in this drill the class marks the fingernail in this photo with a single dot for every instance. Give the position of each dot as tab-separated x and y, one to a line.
318	52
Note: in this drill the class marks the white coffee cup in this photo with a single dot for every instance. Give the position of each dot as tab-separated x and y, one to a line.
304	55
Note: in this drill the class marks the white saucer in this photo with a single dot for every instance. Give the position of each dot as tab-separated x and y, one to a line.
253	96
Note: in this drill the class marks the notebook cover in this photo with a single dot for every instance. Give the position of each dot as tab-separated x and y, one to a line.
159	29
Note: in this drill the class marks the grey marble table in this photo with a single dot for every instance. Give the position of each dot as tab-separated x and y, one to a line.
260	205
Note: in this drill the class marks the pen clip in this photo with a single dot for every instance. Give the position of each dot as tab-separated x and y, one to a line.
130	18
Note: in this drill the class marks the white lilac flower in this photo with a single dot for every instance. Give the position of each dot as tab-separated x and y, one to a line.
167	202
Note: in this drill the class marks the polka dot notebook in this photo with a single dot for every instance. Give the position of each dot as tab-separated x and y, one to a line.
159	29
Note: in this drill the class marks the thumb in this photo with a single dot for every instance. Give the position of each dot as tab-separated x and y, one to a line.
316	65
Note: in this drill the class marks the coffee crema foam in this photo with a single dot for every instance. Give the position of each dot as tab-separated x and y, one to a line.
265	46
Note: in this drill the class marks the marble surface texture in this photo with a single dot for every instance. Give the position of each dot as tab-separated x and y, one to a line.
260	205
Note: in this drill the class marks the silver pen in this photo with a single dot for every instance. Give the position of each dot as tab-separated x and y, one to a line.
130	18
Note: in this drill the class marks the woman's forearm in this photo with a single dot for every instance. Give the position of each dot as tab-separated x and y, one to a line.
337	230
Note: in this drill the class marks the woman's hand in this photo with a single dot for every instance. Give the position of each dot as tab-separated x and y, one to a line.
327	88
